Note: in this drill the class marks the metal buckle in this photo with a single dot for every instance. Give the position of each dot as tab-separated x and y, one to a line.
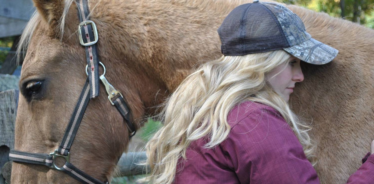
55	155
96	35
132	133
112	92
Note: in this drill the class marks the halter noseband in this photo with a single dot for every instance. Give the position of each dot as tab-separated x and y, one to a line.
88	38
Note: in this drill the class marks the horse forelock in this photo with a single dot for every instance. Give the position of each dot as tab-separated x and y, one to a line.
29	30
63	17
26	35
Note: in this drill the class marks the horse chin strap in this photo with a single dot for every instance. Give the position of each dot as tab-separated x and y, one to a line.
90	90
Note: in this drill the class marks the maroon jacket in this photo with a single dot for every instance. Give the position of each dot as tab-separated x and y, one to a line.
260	149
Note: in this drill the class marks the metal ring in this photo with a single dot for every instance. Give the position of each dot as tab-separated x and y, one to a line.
54	155
54	164
101	65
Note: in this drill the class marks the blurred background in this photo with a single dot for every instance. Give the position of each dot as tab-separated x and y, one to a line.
14	14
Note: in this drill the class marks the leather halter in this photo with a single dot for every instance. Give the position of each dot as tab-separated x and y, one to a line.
88	38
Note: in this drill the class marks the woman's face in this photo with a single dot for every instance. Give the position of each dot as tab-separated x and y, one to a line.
284	77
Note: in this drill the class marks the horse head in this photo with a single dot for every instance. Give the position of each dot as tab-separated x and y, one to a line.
54	74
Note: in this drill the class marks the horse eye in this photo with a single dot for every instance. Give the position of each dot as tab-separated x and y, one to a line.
32	89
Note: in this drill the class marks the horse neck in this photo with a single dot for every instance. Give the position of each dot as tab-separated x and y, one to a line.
330	86
162	39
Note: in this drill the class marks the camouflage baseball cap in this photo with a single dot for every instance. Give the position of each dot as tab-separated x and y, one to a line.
262	27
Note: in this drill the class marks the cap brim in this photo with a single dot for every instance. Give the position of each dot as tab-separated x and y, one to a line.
313	52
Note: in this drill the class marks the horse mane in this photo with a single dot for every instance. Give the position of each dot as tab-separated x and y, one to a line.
26	36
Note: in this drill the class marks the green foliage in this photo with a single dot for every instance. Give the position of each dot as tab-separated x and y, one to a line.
3	55
354	10
370	20
360	11
5	43
297	2
149	129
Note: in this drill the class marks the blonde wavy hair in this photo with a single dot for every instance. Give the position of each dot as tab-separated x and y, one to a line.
200	105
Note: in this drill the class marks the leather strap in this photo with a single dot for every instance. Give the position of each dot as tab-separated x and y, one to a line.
91	51
88	38
64	148
125	111
69	136
30	158
79	175
47	160
75	121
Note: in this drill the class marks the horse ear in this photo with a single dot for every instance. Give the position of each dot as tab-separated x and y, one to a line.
51	11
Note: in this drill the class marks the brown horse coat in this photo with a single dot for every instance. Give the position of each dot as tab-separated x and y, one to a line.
148	48
336	98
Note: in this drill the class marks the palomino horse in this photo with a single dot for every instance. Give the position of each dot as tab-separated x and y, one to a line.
148	48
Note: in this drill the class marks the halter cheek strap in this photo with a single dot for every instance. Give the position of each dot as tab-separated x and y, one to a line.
63	150
116	99
88	38
89	91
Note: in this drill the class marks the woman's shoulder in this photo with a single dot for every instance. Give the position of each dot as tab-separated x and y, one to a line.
258	130
251	109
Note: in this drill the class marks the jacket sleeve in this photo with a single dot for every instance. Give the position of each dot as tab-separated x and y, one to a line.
365	174
263	149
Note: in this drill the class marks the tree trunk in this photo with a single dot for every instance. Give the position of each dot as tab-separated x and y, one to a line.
357	11
342	7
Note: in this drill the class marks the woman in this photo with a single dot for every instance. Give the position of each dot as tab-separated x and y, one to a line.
229	122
